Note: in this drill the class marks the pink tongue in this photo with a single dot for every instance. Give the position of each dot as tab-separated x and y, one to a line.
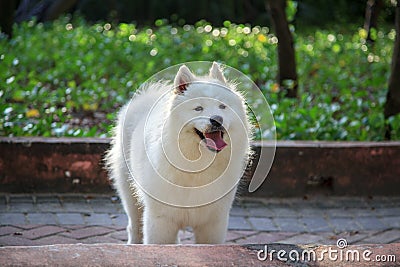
214	140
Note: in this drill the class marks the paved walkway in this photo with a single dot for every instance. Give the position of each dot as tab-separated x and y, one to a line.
64	219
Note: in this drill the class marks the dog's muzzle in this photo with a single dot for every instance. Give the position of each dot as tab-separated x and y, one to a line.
213	137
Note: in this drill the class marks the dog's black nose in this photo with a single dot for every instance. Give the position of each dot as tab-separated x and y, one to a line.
216	121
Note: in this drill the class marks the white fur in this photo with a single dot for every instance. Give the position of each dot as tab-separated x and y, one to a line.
155	138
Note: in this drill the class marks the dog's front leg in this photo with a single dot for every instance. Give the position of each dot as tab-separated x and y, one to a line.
159	229
212	232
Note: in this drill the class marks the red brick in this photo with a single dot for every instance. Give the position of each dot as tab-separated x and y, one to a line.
43	231
14	240
234	235
304	238
55	239
246	233
384	237
6	230
87	232
121	235
27	226
264	238
74	226
237	237
117	227
351	237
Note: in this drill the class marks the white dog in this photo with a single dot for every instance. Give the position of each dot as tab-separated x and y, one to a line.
178	153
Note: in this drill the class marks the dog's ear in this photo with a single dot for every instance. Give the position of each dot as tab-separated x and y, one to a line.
182	79
216	72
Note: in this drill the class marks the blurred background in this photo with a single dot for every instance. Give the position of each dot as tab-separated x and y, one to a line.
325	67
309	13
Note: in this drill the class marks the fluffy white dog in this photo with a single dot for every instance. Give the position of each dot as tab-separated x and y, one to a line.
178	152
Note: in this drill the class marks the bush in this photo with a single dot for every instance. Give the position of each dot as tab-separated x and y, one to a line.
69	78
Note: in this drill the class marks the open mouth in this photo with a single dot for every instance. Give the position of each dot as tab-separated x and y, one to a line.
214	140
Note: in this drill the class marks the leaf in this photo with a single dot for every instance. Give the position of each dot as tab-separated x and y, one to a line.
336	48
18	96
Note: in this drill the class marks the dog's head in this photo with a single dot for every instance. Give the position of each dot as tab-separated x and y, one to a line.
207	108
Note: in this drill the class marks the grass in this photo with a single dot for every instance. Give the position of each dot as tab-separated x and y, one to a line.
69	78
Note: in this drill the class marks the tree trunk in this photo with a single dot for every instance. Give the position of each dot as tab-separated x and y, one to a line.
287	76
7	8
392	105
43	10
57	8
372	11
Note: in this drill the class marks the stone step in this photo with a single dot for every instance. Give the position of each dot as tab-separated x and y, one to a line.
201	255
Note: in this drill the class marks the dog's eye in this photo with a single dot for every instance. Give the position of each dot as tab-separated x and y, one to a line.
198	108
222	106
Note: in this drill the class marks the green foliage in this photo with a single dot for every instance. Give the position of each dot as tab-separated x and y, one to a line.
343	89
69	78
291	10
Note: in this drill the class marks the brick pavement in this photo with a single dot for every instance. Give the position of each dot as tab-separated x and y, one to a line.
67	219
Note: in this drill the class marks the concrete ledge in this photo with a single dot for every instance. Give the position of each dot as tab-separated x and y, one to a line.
59	165
198	255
